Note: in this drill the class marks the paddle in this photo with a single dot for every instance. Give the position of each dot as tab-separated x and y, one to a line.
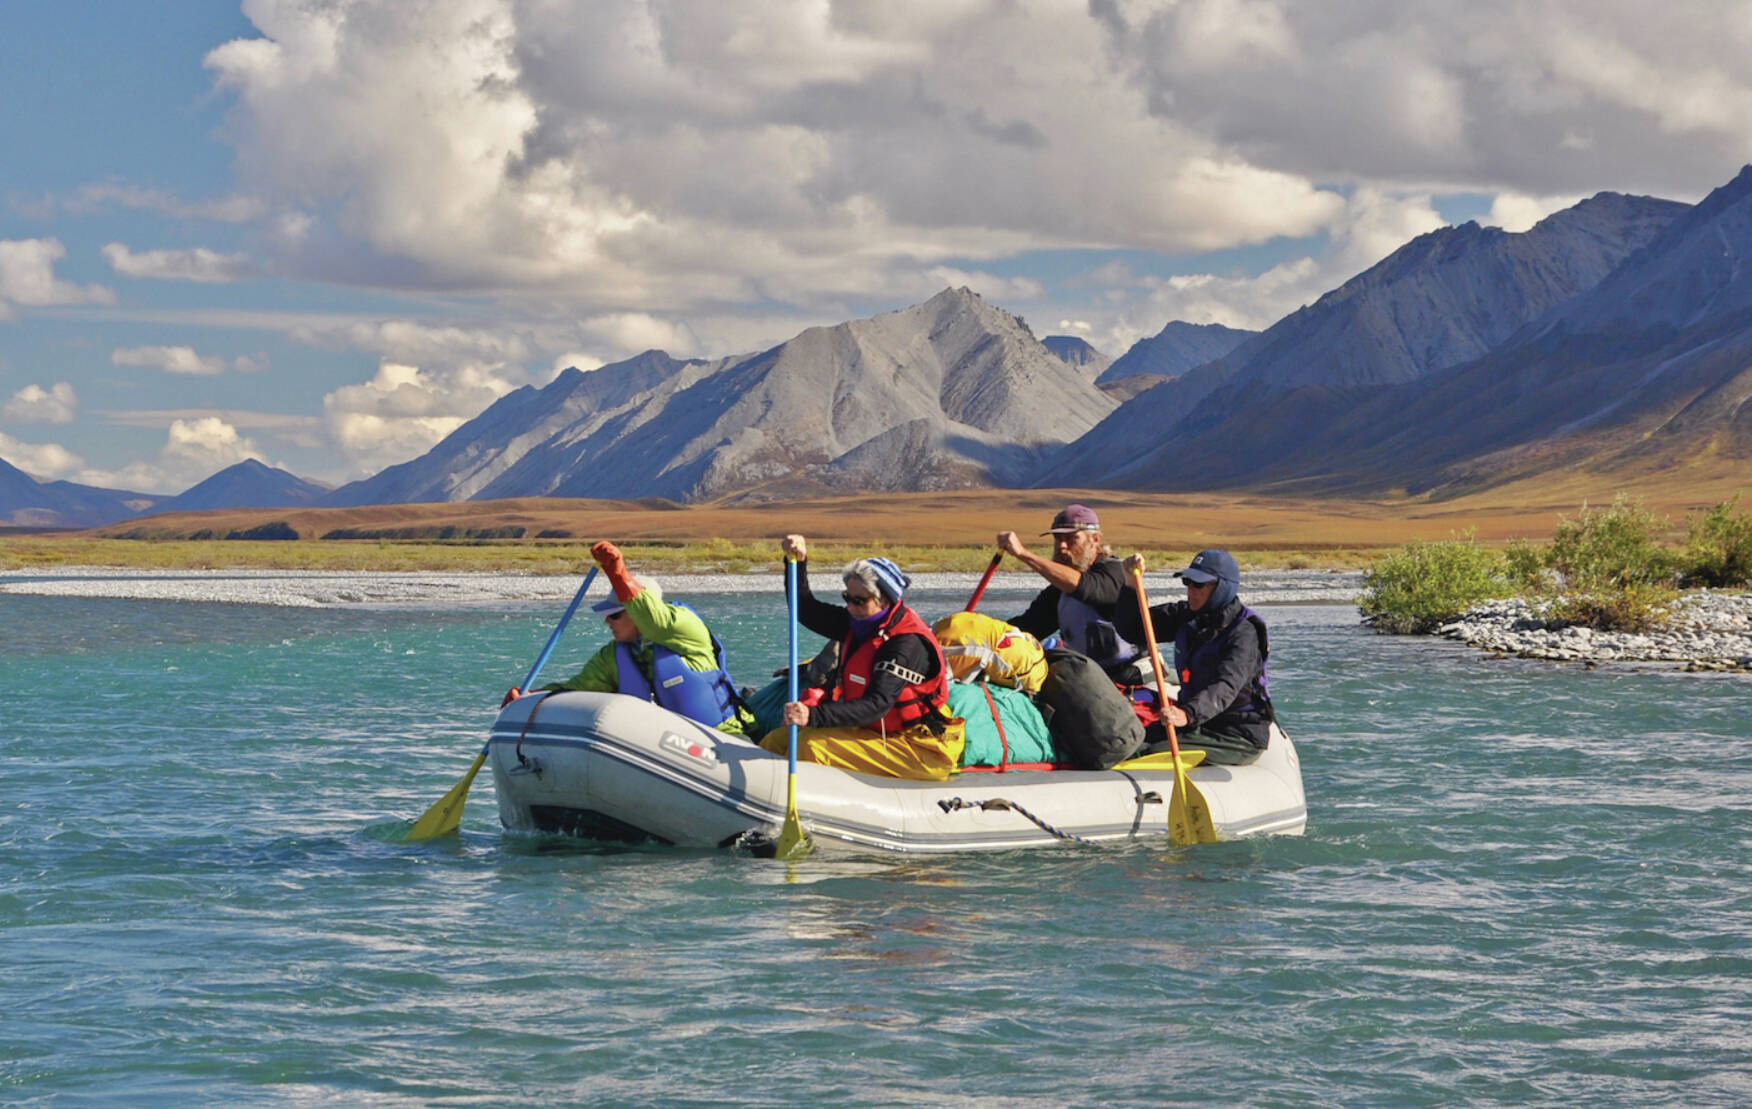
445	817
793	842
985	580
1189	816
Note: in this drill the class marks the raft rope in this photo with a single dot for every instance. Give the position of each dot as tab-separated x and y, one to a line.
1004	804
954	804
530	719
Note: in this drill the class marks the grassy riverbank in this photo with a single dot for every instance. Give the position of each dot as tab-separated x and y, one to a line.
945	531
558	557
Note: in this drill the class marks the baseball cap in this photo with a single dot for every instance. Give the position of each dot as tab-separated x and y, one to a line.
1211	565
611	603
1073	518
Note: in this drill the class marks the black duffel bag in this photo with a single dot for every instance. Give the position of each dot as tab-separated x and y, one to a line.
1092	723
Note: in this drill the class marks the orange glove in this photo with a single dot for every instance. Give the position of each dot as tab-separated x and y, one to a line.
510	696
614	567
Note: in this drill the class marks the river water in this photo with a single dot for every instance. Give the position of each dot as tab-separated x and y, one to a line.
1522	884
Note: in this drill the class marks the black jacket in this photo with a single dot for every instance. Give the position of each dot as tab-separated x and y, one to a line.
1225	693
833	622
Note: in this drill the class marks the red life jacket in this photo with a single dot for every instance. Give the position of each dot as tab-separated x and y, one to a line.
921	700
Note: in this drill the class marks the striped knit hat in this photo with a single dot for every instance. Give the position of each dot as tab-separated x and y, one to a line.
879	575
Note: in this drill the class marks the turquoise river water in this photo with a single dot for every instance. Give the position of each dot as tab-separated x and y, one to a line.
1522	884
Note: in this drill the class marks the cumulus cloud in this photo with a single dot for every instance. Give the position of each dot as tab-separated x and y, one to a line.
1479	94
575	360
33	404
27	277
184	360
417	342
677	155
198	264
1517	212
403	410
48	461
194	450
1374	224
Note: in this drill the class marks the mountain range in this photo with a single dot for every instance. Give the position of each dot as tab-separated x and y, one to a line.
1616	334
951	393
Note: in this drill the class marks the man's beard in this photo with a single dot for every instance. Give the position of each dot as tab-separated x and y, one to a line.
1066	558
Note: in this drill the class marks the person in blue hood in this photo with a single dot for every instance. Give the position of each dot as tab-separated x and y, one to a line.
1220	650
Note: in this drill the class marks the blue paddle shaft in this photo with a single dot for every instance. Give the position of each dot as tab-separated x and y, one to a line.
791	596
558	628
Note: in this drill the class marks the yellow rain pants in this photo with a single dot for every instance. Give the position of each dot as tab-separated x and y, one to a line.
914	753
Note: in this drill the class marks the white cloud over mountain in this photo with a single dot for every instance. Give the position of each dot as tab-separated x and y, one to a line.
33	404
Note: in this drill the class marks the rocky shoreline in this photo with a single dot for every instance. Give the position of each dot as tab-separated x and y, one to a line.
1705	630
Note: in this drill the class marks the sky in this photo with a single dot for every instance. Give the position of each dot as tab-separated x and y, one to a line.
325	233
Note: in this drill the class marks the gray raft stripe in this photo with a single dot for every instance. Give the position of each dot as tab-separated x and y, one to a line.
740	802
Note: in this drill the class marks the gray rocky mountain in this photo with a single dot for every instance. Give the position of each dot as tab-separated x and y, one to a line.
1443	299
950	393
1647	371
1077	352
248	484
1174	350
27	502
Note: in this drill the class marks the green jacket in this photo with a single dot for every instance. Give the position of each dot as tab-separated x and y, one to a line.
664	624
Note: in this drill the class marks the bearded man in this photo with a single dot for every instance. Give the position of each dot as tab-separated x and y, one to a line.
1085	584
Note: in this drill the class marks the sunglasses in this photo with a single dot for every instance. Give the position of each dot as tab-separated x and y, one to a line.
860	599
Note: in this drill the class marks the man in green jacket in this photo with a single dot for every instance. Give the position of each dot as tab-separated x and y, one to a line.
659	651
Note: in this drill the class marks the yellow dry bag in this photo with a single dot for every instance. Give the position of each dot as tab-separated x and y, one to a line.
983	648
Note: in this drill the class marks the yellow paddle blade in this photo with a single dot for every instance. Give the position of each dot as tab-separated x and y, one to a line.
794	842
1189	816
446	816
1163	760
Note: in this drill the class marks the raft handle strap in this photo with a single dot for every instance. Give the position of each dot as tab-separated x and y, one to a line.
530	719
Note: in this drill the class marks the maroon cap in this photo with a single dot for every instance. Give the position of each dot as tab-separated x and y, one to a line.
1074	518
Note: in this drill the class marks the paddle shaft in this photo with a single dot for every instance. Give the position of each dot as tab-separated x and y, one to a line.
1161	678
985	580
445	816
554	639
791	599
793	841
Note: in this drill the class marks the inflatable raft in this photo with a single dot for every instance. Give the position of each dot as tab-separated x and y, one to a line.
607	766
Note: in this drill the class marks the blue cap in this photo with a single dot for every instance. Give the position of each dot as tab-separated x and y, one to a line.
1211	565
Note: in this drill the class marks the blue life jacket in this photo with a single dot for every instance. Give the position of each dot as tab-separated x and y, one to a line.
708	696
1083	629
1252	712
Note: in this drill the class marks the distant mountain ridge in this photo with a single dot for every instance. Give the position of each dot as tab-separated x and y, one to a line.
1442	299
27	502
1177	348
247	484
1075	351
1648	370
951	393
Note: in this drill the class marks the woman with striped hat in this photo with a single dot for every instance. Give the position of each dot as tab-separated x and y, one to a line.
882	708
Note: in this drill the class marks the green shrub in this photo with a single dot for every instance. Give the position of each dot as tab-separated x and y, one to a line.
1424	585
1602	550
1525	565
1718	547
1638	607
